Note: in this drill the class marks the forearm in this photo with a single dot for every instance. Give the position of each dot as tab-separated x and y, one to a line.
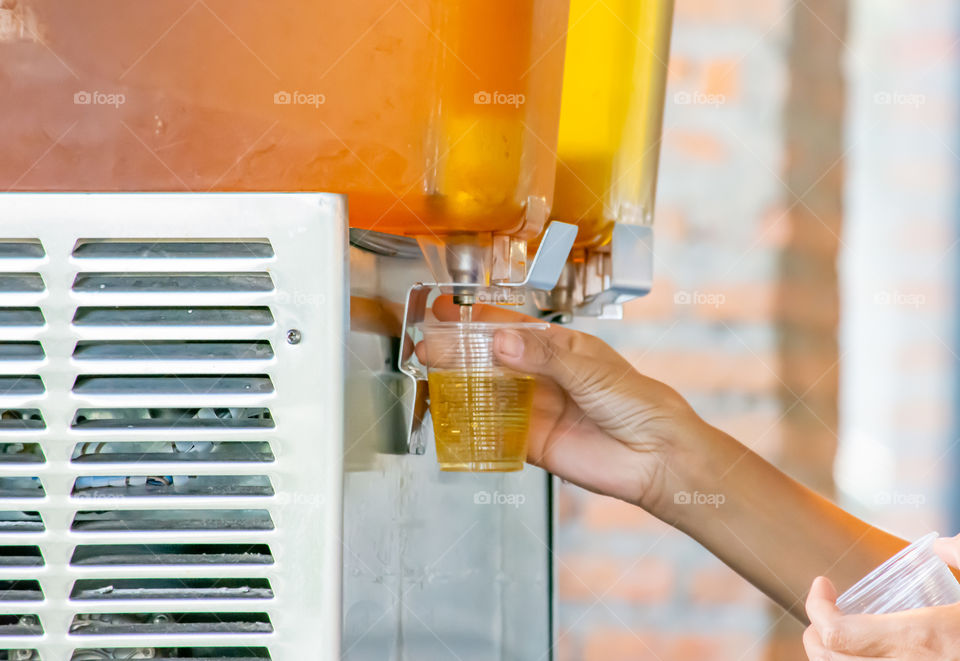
770	529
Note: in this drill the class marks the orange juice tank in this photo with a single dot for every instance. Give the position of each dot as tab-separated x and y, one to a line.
611	114
434	116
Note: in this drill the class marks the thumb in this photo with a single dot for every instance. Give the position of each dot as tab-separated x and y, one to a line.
577	362
948	548
822	603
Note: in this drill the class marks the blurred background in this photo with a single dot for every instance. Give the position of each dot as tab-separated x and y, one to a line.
806	257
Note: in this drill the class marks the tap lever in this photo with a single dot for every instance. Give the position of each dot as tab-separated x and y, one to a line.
548	263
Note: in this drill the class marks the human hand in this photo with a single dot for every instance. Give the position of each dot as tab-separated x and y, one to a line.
596	421
925	634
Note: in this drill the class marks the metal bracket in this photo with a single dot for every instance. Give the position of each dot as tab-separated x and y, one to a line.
552	254
414	311
630	273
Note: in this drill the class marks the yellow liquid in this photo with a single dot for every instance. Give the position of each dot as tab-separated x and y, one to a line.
480	421
614	81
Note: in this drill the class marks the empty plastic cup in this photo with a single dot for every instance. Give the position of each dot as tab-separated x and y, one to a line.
915	577
480	408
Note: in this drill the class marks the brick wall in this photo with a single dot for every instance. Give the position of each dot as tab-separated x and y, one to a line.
742	321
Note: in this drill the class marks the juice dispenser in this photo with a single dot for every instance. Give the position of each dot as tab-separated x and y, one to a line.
608	149
218	211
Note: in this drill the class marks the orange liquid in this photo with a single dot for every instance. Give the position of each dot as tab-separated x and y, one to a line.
382	109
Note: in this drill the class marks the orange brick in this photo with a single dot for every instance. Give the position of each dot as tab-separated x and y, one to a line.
715	648
784	648
619	645
607	644
568	506
695	369
670	224
721	78
697	145
761	432
754	302
587	578
568	647
800	230
678	69
657	305
603	513
718	584
810	304
811	373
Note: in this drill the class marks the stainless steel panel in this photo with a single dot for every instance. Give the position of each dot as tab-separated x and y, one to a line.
436	565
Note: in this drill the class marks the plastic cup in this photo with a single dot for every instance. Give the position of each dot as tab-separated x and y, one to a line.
915	577
480	408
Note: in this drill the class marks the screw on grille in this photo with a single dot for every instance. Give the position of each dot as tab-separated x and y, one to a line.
294	336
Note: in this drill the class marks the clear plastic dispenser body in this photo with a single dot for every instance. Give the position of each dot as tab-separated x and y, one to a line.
436	117
609	141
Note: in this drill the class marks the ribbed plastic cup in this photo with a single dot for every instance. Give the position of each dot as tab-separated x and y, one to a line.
480	408
915	577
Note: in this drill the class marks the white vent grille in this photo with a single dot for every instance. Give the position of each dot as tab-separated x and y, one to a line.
170	461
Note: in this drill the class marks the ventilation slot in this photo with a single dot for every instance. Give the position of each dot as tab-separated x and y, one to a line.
21	419
172	452
172	350
20	556
21	317
172	249
21	487
178	588
112	555
20	590
20	625
193	653
21	385
21	249
134	486
193	384
170	519
18	521
21	351
170	623
19	655
21	283
173	419
21	453
166	283
172	316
